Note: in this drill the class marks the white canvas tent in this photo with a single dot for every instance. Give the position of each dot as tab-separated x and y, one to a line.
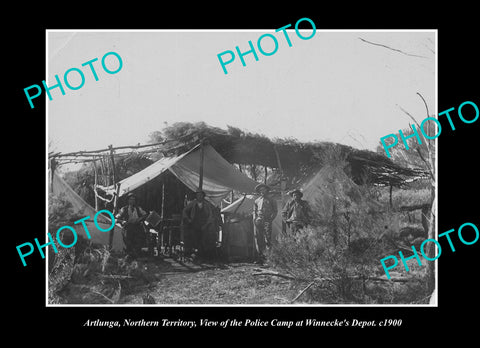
320	189
244	206
219	176
60	188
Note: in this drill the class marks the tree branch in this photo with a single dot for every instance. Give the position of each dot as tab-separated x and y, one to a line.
429	164
301	292
430	154
276	274
408	114
424	102
392	49
430	170
316	280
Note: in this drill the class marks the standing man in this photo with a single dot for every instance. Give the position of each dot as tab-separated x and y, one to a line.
200	226
296	213
132	228
264	211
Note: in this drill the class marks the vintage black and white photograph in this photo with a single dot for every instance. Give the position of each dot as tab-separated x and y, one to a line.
290	167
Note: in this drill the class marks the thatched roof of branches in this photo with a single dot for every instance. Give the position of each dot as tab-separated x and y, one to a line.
244	148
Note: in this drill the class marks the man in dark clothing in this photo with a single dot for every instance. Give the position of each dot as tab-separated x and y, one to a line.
200	227
296	213
133	230
264	211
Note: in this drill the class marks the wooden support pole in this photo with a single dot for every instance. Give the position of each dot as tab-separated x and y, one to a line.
112	160
53	165
282	186
391	202
278	159
109	171
162	213
253	171
202	154
105	181
115	200
160	241
95	183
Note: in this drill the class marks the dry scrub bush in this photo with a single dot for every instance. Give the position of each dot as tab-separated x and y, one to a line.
341	263
339	267
87	273
61	264
101	277
352	231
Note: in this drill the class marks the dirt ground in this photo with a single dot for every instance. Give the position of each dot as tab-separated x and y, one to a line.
187	283
101	278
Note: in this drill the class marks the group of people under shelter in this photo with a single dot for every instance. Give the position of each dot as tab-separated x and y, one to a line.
200	222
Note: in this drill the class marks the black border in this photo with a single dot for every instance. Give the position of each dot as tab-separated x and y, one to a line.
457	78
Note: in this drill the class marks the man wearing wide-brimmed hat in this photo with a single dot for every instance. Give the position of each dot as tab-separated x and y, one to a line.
200	226
133	230
264	211
296	213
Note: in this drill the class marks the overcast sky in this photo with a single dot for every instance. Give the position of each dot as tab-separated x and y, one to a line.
333	87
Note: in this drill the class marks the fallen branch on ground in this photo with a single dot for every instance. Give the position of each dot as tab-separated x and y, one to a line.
331	279
301	292
115	276
276	274
99	293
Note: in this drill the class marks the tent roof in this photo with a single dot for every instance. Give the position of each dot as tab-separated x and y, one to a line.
219	176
